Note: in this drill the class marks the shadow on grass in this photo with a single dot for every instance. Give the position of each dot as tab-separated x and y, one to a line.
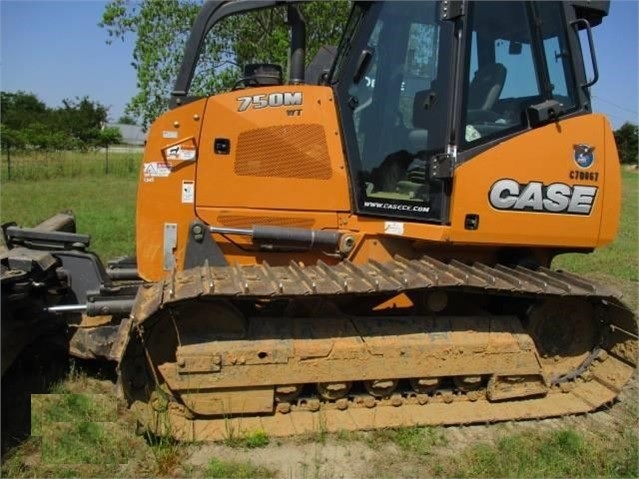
41	368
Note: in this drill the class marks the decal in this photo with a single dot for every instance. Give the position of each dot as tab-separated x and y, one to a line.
584	175
393	228
179	152
169	134
397	206
506	194
188	191
156	169
584	155
273	100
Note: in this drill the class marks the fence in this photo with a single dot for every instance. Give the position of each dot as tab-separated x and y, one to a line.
37	165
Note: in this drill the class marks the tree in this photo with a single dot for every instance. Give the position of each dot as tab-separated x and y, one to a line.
109	136
26	121
82	119
10	138
627	145
19	109
126	120
161	28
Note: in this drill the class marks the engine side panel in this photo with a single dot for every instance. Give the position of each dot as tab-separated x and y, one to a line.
275	148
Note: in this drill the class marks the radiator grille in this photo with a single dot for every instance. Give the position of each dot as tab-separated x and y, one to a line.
286	151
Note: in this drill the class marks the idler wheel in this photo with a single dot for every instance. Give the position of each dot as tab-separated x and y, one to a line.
565	331
334	390
381	387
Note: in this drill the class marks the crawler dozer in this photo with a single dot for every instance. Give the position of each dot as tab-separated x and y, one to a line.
368	243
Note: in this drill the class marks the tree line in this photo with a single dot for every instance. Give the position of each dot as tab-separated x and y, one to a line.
78	124
626	138
160	29
26	122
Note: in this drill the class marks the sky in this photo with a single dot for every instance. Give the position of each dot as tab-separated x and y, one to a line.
56	50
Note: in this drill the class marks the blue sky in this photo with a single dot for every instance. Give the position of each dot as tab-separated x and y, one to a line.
56	50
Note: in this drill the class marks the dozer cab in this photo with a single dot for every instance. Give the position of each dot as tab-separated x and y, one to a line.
368	243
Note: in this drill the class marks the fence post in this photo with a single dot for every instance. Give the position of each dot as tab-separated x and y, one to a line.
8	162
106	165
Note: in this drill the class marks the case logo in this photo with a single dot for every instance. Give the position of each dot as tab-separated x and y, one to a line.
584	155
507	194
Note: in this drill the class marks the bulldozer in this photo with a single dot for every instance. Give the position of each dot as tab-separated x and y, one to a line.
368	243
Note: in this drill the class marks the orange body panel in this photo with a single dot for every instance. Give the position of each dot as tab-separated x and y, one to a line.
543	155
286	157
161	197
285	167
611	194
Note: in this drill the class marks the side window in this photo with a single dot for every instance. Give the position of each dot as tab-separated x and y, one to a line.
503	79
420	67
557	54
363	90
517	58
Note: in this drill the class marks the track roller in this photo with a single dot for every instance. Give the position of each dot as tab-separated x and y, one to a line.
381	387
334	390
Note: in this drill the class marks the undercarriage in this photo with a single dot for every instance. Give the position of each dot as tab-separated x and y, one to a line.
211	352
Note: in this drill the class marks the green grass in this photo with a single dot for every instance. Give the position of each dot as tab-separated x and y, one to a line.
73	435
410	439
562	453
620	258
42	165
250	440
236	470
78	437
56	408
104	207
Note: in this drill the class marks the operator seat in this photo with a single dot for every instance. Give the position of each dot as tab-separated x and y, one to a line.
486	86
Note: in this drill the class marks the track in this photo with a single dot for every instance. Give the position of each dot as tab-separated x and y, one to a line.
211	352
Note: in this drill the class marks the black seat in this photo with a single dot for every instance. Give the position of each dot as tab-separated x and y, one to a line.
486	86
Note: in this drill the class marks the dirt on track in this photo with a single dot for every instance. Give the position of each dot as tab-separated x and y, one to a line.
349	455
368	454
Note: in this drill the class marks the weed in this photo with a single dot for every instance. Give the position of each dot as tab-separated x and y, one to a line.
217	468
249	440
167	452
562	453
418	440
347	436
256	439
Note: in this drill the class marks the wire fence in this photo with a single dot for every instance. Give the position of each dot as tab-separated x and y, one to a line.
29	165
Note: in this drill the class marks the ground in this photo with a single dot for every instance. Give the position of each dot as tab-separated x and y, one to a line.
408	452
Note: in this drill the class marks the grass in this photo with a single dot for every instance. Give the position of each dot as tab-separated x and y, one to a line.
562	453
410	439
76	435
251	440
619	259
104	207
218	468
41	165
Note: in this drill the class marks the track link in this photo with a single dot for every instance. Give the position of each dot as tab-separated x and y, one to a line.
232	374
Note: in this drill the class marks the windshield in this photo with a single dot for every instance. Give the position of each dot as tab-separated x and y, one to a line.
396	87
